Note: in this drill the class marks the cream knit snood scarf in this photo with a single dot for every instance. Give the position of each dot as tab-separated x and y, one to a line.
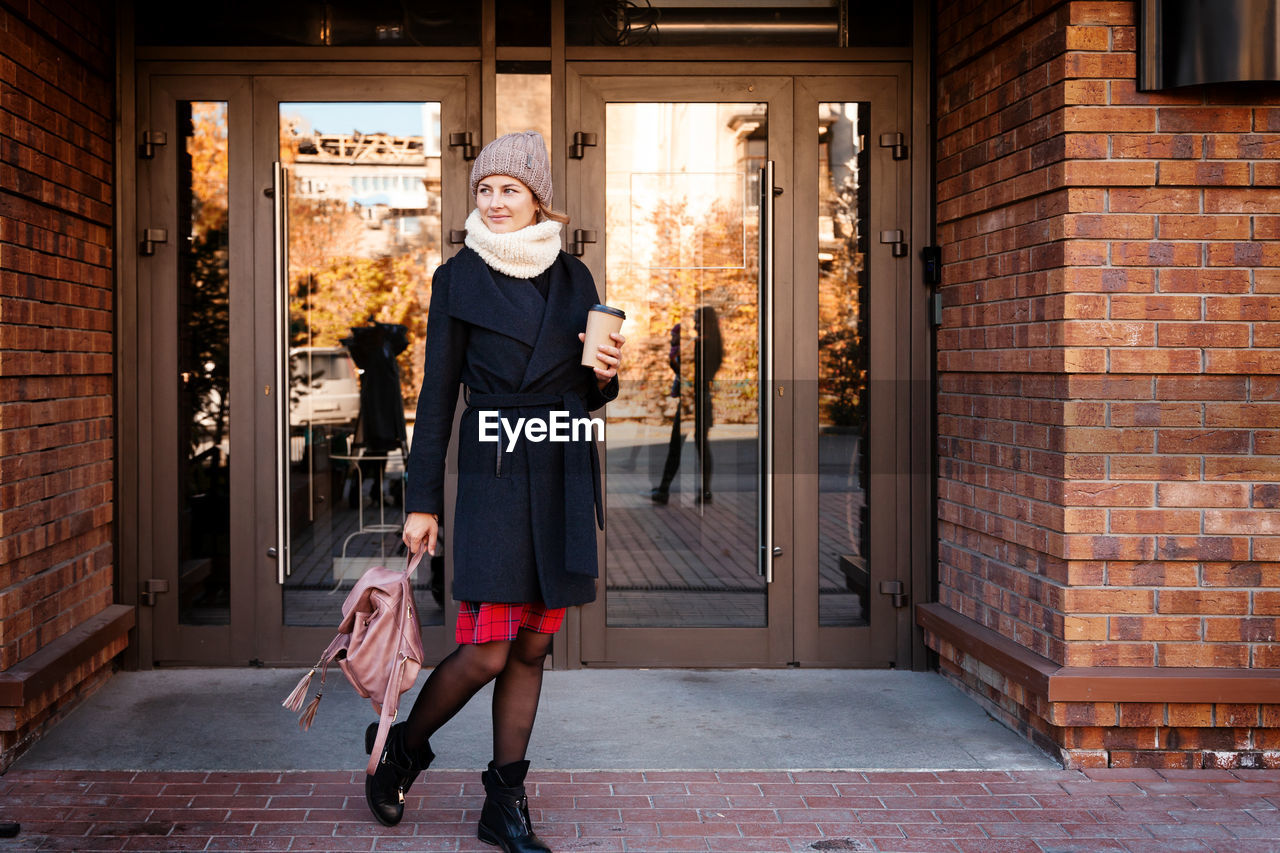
519	254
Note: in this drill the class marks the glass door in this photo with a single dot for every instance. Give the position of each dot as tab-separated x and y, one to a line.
289	230
852	345
194	367
753	229
362	193
675	187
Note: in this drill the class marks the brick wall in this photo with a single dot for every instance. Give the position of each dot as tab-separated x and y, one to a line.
1109	417
56	562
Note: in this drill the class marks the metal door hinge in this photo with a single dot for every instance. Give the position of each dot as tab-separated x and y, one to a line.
150	589
457	236
466	142
895	589
897	240
581	142
897	142
580	240
150	237
151	139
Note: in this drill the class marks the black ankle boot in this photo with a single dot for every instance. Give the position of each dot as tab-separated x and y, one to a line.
399	767
504	820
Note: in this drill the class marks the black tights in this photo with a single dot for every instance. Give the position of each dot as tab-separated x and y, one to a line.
517	666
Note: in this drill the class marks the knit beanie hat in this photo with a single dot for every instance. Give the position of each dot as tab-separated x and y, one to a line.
522	156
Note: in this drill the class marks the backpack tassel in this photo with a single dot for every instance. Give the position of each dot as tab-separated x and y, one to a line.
310	713
294	702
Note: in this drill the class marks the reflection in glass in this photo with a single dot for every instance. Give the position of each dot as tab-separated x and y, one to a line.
522	23
817	23
843	329
681	260
524	103
305	22
364	237
204	370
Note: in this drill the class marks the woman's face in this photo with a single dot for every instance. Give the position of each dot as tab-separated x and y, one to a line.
505	204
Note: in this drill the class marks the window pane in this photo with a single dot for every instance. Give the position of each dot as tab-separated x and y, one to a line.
523	23
524	103
681	260
751	23
364	236
204	367
348	23
843	348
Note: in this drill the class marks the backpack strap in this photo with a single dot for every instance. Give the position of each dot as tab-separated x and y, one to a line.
390	707
413	560
391	699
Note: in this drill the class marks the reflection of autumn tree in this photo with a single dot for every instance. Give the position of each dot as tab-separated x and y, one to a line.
349	291
332	287
842	316
320	231
204	353
700	257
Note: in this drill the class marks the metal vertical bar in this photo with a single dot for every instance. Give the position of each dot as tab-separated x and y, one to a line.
280	185
765	367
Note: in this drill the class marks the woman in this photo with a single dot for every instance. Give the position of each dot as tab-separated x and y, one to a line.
505	322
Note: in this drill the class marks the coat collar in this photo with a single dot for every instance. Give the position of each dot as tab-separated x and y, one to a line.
550	330
563	318
478	298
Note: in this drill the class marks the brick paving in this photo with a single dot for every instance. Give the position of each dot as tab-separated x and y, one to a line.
1053	811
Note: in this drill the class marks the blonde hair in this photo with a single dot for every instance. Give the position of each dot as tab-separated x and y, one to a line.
545	212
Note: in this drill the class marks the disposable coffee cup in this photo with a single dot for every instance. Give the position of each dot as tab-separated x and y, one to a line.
602	321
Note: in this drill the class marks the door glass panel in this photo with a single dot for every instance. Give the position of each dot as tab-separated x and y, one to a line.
364	236
524	103
843	351
204	368
681	260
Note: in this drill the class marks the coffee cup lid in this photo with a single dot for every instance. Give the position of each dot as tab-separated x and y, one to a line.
617	312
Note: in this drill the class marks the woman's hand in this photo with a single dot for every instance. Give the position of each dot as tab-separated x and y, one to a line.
421	528
611	356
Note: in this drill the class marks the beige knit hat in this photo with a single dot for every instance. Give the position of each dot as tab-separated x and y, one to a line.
522	156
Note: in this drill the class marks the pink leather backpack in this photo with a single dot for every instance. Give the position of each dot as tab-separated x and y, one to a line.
379	647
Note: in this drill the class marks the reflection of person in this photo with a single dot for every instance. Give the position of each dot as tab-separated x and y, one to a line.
380	429
505	318
708	353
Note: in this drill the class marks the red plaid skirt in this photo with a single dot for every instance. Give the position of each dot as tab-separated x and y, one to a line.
484	623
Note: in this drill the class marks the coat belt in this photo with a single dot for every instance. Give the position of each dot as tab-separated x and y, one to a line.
581	459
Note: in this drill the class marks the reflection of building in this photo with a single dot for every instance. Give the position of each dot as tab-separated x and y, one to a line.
393	182
840	136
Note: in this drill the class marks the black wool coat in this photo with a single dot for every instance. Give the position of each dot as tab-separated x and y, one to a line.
524	522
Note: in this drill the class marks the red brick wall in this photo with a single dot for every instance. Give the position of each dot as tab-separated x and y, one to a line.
1109	421
56	457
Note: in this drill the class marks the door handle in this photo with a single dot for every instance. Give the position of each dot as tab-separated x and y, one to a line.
765	368
280	217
